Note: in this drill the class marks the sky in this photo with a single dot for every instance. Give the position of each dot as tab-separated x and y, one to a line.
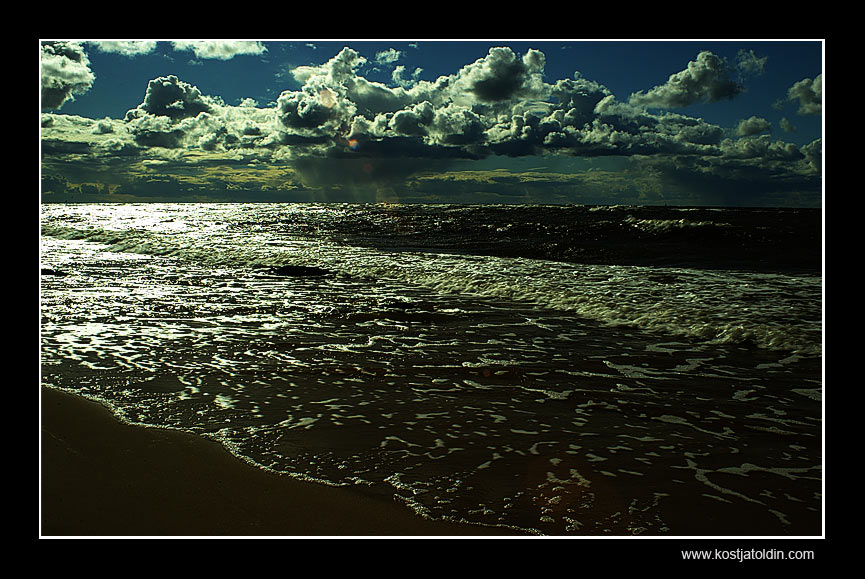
531	121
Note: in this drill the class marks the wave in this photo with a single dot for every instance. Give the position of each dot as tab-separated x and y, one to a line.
716	307
668	225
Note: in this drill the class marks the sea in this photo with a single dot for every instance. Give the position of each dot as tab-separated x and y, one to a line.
558	370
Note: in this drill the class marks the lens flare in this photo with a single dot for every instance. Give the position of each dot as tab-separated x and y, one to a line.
353	144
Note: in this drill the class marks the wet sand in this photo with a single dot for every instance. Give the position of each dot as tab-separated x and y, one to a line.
101	477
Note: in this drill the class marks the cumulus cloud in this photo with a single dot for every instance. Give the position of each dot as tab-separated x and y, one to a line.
502	75
168	96
337	111
498	104
453	111
335	71
65	73
809	93
220	49
175	114
331	96
753	126
706	79
129	48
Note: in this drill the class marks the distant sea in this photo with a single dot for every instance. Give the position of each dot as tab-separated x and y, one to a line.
563	370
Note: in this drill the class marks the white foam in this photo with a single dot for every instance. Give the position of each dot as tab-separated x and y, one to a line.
696	304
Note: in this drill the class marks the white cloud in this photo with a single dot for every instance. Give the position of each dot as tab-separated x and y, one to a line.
388	57
129	48
176	115
752	126
809	94
220	49
398	76
65	73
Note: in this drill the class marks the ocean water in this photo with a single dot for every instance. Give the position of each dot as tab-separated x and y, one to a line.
561	370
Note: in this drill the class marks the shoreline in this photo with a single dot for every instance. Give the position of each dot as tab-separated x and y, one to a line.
101	477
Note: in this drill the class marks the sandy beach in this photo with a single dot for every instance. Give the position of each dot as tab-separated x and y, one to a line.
101	477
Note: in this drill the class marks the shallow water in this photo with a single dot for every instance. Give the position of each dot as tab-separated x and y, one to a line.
448	367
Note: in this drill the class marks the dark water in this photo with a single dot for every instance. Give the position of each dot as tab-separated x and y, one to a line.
562	370
730	238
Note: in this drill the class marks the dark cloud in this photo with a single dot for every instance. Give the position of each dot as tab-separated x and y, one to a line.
362	172
577	98
706	79
168	96
752	171
65	73
502	75
413	121
161	186
157	131
64	147
302	111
